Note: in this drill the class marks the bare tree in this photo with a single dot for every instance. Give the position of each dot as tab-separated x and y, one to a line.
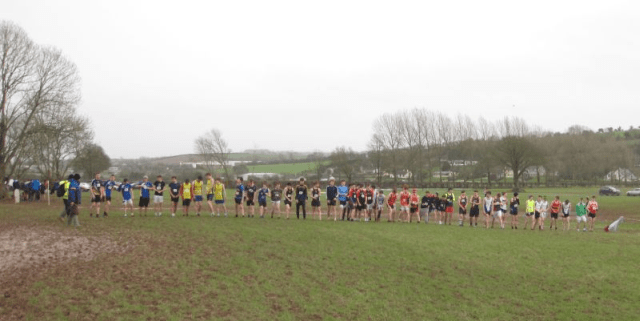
376	155
344	160
213	150
57	134
33	80
388	127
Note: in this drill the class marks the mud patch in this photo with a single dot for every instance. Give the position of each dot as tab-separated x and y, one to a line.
36	247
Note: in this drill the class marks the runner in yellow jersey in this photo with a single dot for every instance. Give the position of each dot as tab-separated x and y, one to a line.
186	191
220	193
197	194
531	209
209	188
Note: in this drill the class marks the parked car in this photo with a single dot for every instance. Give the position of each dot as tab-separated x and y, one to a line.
609	191
634	192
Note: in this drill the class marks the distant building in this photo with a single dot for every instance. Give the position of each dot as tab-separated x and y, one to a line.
621	174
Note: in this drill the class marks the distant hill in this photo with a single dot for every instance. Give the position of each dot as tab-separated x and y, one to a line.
248	155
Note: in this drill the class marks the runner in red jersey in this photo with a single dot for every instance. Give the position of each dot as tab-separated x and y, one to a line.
555	209
414	202
391	204
404	203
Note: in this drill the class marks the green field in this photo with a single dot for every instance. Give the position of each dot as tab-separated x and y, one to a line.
294	168
205	268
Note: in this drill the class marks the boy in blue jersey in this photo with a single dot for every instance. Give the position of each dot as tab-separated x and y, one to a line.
343	190
174	193
108	187
127	196
145	186
250	197
75	194
332	194
97	194
239	196
262	198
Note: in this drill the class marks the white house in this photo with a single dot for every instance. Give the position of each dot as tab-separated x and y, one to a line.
621	174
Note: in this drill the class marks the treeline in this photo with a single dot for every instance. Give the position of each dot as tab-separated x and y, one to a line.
41	132
412	145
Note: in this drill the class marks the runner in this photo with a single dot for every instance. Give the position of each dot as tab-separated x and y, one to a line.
332	194
379	204
127	196
391	203
441	206
514	204
220	195
301	199
538	214
581	215
158	196
592	208
474	213
544	210
97	195
186	192
353	200
462	208
288	198
361	191
566	210
487	206
210	184
424	207
143	203
315	200
343	191
433	201
451	198
262	198
108	188
497	211
529	214
250	197
555	210
75	195
197	193
414	203
370	194
239	196
404	203
174	193
276	195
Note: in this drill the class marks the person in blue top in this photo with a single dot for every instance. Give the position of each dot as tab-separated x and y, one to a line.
343	191
75	199
145	186
127	196
238	197
34	191
262	198
108	187
332	194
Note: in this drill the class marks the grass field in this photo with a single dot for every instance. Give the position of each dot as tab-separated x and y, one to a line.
294	168
251	269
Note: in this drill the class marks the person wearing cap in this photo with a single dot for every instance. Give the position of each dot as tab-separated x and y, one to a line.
143	203
75	199
65	197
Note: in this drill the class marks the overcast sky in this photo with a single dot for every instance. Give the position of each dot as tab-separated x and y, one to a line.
306	75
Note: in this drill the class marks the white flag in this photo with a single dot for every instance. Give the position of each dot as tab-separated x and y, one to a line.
614	226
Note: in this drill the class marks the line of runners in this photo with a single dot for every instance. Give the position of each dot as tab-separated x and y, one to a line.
356	202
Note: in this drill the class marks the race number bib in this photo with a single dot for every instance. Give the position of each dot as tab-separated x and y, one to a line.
300	193
175	190
126	189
